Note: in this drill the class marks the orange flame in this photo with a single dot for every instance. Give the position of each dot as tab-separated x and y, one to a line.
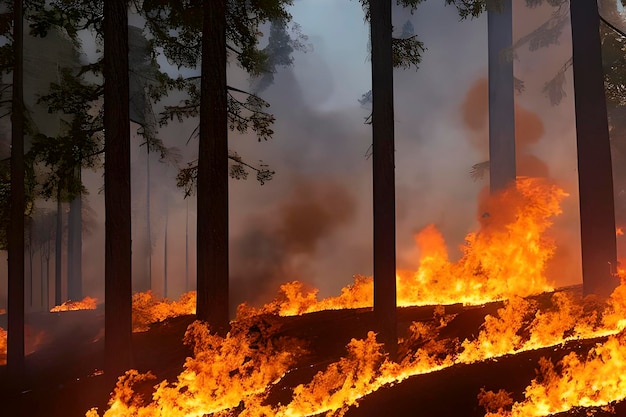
619	231
507	257
3	346
519	325
87	303
148	309
218	378
223	373
593	380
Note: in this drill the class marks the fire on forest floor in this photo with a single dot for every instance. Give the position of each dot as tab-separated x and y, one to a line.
506	259
274	364
87	303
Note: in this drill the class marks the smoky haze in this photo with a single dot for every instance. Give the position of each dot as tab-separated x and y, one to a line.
312	222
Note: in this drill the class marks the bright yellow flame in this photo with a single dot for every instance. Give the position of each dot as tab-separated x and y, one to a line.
236	372
148	309
595	380
87	303
222	373
506	258
3	346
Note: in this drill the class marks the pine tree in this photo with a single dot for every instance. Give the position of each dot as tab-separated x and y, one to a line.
212	270
214	27
383	174
15	335
502	170
595	176
118	271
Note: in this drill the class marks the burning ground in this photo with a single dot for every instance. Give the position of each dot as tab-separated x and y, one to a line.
298	355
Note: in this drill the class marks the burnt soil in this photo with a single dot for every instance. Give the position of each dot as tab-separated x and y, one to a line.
63	376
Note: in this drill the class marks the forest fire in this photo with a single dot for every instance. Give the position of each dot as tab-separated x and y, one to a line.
506	257
148	309
594	380
87	303
245	364
235	375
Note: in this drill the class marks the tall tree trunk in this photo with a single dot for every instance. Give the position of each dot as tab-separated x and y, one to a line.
165	256
212	238
46	290
187	248
383	174
595	175
148	219
118	272
15	302
502	168
75	248
42	289
46	299
58	253
30	287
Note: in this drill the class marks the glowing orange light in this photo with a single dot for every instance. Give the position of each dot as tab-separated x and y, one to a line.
148	309
87	303
506	257
3	346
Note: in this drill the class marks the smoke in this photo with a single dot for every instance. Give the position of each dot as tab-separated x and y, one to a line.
313	221
280	245
529	129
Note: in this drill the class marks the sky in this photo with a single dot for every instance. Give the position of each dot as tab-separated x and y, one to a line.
312	222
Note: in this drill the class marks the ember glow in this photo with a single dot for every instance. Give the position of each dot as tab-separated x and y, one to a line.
148	309
506	257
3	346
596	379
223	373
87	303
514	226
228	373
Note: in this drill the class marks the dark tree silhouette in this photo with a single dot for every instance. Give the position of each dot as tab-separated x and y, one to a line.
212	197
501	100
118	288
15	308
383	174
595	177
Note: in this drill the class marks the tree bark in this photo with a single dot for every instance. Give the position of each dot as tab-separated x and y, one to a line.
187	247
148	284
383	174
595	175
212	225
118	272
15	302
502	167
75	249
58	252
165	255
